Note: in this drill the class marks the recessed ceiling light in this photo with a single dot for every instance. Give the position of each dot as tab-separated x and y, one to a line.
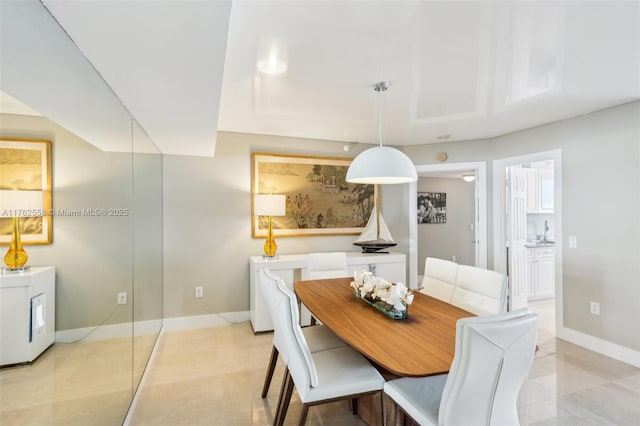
272	65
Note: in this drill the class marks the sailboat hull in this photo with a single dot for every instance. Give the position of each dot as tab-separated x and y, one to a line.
373	246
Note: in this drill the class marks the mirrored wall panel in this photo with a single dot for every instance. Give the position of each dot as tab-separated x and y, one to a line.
106	222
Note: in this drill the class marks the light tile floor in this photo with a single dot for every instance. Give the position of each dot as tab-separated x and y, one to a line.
84	383
546	310
213	376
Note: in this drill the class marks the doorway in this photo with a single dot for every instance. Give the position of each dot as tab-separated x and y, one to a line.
480	215
528	234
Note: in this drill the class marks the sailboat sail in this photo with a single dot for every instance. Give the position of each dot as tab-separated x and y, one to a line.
376	235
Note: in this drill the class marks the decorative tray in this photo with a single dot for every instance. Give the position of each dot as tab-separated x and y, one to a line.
389	311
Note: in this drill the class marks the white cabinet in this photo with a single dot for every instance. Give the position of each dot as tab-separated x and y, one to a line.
541	272
28	312
533	190
539	190
546	191
292	267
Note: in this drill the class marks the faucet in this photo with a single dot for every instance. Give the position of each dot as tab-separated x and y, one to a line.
546	228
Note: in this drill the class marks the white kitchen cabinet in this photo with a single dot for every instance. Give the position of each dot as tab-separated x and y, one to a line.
533	191
28	312
546	191
292	267
541	272
539	190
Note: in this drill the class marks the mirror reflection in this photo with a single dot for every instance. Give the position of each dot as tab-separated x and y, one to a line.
107	233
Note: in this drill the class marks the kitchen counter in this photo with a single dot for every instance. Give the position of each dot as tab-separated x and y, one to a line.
539	244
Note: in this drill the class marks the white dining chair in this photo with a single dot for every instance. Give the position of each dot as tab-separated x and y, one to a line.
492	357
323	265
319	377
319	338
480	291
326	265
439	278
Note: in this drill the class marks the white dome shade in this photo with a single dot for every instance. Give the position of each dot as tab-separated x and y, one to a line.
382	165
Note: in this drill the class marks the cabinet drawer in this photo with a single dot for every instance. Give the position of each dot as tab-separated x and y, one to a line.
544	251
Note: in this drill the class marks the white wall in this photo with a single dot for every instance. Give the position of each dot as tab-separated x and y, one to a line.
207	216
601	207
453	238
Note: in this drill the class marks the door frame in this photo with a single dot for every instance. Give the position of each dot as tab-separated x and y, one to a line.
480	168
499	217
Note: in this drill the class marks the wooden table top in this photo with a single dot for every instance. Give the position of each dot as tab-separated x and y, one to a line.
422	344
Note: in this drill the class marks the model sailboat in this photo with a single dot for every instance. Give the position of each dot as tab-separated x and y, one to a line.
376	235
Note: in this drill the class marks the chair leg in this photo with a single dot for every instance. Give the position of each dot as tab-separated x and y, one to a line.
270	369
285	380
303	415
354	406
284	406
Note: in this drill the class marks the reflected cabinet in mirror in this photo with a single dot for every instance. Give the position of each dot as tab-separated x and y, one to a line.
106	242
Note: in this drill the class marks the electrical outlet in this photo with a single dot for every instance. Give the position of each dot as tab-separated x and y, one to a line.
199	292
573	241
122	298
453	258
595	308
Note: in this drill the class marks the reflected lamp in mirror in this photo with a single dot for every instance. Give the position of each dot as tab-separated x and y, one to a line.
19	204
469	177
270	205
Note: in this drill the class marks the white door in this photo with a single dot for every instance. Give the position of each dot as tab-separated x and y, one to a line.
517	237
476	225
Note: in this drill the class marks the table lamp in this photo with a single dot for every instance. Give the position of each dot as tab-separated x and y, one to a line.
270	205
16	204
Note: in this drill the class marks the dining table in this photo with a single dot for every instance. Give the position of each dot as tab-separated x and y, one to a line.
422	344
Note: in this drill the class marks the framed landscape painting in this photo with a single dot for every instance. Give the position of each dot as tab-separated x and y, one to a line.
319	200
26	164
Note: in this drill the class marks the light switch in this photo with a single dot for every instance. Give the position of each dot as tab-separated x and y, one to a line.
573	241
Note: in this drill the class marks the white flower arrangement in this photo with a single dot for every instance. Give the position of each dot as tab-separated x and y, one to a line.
377	289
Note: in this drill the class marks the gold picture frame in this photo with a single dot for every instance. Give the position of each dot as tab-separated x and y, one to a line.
319	199
26	164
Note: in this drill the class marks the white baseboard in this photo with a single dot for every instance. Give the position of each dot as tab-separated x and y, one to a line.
112	331
115	331
600	346
203	321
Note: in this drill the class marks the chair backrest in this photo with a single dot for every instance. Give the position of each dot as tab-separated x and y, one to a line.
480	291
283	307
439	278
492	357
268	280
327	265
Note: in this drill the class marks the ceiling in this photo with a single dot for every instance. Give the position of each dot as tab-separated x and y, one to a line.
458	70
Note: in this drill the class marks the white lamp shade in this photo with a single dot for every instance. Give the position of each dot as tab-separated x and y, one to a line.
270	205
382	165
21	203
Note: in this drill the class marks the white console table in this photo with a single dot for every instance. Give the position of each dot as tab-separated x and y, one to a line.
27	314
293	267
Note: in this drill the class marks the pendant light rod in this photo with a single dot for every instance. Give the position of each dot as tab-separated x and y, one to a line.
381	87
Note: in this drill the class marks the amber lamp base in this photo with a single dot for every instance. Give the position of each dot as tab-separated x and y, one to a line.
16	257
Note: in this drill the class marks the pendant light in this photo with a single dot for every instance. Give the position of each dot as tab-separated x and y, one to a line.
382	164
